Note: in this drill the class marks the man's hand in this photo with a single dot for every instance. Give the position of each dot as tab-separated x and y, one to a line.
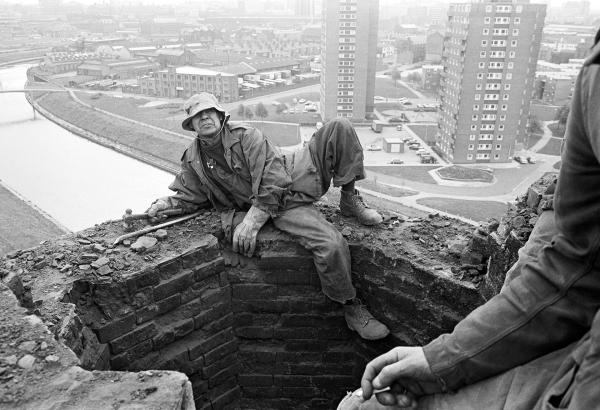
244	236
160	204
406	371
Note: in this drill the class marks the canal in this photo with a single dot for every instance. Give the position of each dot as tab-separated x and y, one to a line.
76	182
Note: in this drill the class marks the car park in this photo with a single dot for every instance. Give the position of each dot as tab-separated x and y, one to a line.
396	161
373	147
414	147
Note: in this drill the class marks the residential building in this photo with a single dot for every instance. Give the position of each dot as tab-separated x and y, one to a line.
116	69
175	57
183	82
434	46
490	56
554	83
430	80
348	57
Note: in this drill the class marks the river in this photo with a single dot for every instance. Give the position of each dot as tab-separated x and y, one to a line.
75	181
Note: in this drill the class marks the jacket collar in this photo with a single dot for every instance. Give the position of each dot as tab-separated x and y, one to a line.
228	139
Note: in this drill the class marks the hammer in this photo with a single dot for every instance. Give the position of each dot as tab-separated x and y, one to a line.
129	217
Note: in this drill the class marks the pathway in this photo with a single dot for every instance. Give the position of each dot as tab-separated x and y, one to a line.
545	137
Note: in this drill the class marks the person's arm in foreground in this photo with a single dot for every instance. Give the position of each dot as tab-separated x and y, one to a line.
551	304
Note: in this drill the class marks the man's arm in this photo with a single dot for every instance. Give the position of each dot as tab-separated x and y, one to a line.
553	301
270	179
188	197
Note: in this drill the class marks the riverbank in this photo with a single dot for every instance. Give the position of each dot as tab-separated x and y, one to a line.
23	225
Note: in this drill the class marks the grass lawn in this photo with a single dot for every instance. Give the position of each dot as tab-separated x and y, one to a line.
456	172
474	210
557	165
533	139
21	226
384	189
385	88
169	116
552	147
412	173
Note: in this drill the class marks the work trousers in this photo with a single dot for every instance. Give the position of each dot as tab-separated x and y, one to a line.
337	155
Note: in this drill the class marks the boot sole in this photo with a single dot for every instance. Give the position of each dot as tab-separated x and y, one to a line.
367	338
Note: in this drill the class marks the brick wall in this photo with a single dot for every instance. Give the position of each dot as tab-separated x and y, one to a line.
258	332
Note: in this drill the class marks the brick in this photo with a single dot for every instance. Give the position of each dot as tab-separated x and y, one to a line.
264	306
220	352
143	297
293	259
311	345
209	269
199	385
254	332
211	297
223	280
115	328
138	280
300	392
206	249
226	399
173	285
260	392
164	338
218	390
298	291
327	381
318	321
211	371
253	291
193	367
250	319
316	368
127	359
245	275
297	357
196	290
147	313
294	332
292	380
255	379
169	267
208	343
134	337
211	315
225	374
144	363
173	357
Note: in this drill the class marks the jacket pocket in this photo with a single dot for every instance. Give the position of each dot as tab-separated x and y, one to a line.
305	176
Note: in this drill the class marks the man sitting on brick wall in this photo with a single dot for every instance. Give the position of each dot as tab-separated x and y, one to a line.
535	345
234	167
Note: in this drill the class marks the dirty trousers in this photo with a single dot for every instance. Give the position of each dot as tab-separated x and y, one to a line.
337	155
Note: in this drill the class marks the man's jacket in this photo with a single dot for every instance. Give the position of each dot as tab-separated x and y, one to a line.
262	175
553	301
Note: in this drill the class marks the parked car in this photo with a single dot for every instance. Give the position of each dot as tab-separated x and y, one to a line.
301	100
428	159
520	159
396	161
373	147
531	159
399	127
422	151
378	98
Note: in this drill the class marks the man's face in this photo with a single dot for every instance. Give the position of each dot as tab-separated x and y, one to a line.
207	123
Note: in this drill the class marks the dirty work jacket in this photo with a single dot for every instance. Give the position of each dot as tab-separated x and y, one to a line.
553	300
262	176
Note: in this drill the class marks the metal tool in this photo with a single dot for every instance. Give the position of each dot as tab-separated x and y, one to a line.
155	227
129	217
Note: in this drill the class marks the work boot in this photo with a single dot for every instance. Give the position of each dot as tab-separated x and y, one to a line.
359	319
352	204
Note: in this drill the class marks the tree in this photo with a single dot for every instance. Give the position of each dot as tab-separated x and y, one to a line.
396	75
414	77
534	126
248	113
562	114
261	111
241	110
280	108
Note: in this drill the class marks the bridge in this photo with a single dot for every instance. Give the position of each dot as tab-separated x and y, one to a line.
29	90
